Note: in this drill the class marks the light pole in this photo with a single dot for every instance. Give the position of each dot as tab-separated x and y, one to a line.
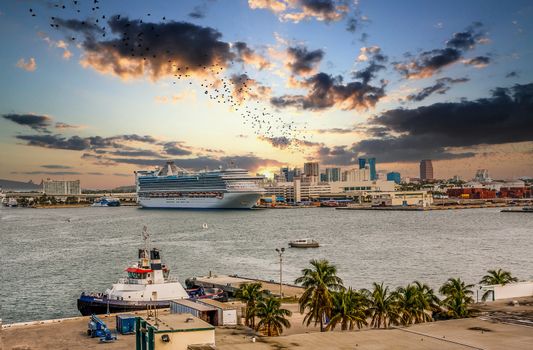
280	252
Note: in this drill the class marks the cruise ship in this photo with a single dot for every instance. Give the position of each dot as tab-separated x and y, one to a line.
174	187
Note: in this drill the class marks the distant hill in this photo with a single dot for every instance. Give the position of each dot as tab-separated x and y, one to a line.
10	185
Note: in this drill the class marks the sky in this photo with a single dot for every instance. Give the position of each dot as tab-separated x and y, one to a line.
94	90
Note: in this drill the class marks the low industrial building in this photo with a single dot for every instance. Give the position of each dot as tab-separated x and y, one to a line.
227	313
174	332
204	312
402	198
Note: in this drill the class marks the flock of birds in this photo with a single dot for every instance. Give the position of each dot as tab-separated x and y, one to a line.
241	93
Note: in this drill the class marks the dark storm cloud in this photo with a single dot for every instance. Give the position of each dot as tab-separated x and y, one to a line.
140	48
55	166
303	61
335	131
479	61
175	149
135	153
468	39
249	162
338	155
36	122
441	86
75	143
325	91
431	62
505	117
200	11
352	24
51	173
280	142
369	73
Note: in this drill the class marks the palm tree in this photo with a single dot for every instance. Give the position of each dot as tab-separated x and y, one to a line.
382	306
272	318
416	303
457	297
496	277
319	282
349	309
250	293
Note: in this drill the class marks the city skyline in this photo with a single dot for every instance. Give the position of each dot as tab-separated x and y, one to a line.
325	81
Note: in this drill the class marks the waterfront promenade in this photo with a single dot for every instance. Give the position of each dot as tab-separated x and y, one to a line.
473	333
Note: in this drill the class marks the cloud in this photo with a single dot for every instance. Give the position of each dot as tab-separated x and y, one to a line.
441	86
325	91
302	61
249	162
283	142
336	131
151	49
60	125
298	10
200	11
57	173
176	149
96	173
28	66
36	122
447	130
77	143
55	166
245	88
512	74
67	54
247	55
478	62
272	5
431	62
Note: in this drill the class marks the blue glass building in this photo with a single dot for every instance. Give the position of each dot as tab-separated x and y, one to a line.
394	176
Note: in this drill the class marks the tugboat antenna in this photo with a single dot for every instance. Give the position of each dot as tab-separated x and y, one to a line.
146	237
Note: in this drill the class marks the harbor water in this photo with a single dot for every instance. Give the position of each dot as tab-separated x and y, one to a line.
48	256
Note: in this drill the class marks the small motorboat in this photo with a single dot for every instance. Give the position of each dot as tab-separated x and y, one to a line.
304	243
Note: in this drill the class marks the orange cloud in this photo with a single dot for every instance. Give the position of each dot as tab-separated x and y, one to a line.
28	66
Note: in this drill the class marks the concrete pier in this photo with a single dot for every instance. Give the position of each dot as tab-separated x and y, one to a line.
230	284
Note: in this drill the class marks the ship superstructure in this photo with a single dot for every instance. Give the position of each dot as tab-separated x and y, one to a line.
174	187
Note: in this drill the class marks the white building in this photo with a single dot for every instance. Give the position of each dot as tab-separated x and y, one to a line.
356	175
402	198
61	187
298	191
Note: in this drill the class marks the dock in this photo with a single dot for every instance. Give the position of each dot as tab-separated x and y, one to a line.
231	284
419	208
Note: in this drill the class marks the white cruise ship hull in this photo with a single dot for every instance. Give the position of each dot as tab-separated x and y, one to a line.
235	200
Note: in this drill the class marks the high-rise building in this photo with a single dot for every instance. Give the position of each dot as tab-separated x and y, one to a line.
311	171
61	187
355	175
426	170
371	162
333	174
394	176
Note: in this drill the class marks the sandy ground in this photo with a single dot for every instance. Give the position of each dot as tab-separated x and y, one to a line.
475	333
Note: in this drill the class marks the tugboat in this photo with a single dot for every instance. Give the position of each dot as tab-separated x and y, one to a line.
148	285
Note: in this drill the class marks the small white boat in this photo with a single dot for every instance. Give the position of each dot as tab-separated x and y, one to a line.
304	243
